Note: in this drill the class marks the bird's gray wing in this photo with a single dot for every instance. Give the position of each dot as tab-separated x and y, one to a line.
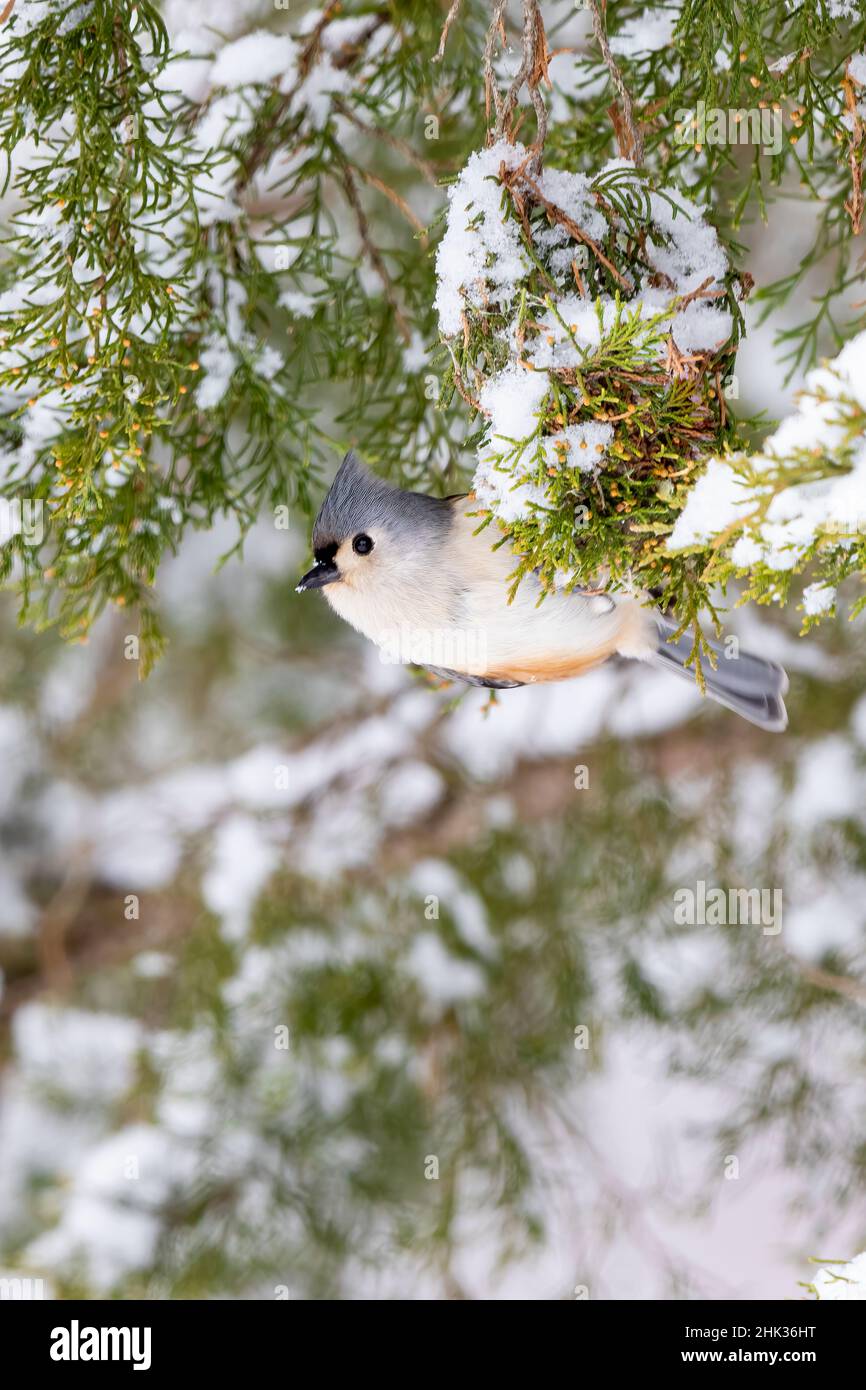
491	683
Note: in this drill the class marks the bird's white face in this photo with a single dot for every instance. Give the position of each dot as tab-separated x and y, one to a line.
354	562
367	579
363	561
364	592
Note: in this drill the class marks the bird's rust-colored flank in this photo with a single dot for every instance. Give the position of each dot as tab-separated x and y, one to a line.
554	668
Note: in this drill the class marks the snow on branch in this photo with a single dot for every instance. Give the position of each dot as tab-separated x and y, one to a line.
590	321
800	499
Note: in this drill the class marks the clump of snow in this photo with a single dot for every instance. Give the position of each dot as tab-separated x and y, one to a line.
218	364
20	915
438	878
152	965
648	33
29	14
512	402
86	1054
136	847
415	353
410	791
831	507
857	68
512	399
111	1220
442	978
579	445
139	1161
108	1240
188	74
484	264
257	57
782	64
717	500
19	754
296	302
818	598
339	33
480	257
314	94
827	785
242	862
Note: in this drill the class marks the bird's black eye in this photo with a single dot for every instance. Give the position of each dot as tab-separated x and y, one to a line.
362	545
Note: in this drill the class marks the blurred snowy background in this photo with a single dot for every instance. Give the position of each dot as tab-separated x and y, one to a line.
318	982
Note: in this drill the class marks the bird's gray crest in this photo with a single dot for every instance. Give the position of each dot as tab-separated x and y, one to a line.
358	500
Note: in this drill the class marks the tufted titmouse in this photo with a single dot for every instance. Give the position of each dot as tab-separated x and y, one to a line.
415	575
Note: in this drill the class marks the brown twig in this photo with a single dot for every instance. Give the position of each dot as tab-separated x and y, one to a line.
55	922
398	145
826	979
446	29
532	71
573	229
702	292
632	128
854	205
373	253
464	393
720	395
490	87
398	201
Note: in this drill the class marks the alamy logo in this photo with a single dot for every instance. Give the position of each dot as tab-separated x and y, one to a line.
76	1343
22	517
21	1290
713	125
853	524
729	907
453	648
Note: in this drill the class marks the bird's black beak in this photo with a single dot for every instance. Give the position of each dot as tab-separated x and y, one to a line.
323	572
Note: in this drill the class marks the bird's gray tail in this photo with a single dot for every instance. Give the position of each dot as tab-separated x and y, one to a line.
746	684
